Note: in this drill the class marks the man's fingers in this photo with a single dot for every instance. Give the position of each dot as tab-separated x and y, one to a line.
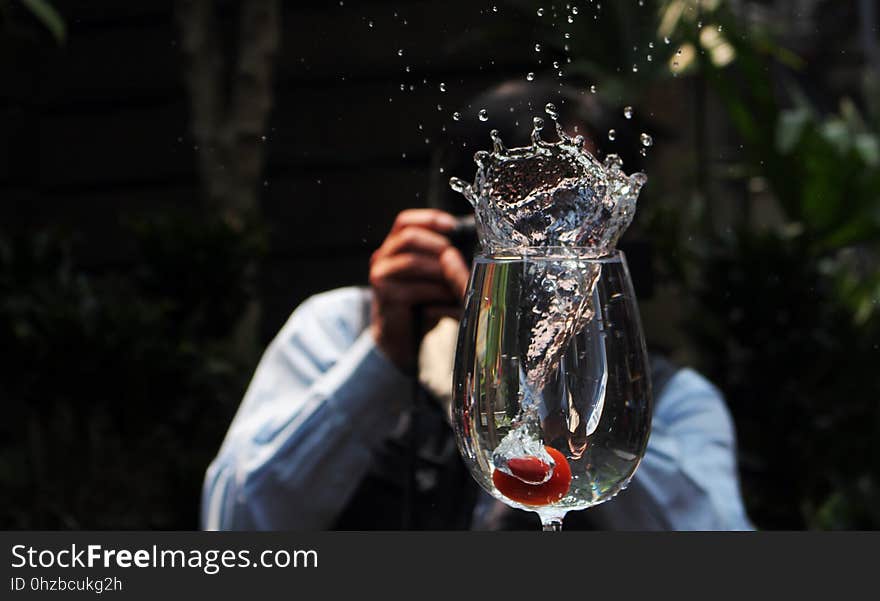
455	270
406	267
413	239
415	293
427	218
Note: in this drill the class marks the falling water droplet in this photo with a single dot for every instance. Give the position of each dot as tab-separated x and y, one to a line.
537	47
537	124
530	76
612	134
483	115
456	116
442	87
540	12
667	41
550	109
628	112
400	52
650	58
650	44
574	10
593	89
635	68
647	140
570	19
497	144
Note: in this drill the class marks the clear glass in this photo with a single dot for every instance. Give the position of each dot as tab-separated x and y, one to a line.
589	395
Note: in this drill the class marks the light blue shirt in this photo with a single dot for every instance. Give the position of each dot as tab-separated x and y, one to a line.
324	398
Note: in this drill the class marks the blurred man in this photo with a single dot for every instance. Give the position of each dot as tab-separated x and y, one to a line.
326	437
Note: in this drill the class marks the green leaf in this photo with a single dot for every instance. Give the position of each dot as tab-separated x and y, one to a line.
790	129
49	17
868	148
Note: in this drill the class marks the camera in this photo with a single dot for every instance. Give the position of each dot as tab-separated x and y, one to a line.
464	237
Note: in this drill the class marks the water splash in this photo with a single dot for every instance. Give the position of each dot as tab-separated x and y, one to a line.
556	202
550	194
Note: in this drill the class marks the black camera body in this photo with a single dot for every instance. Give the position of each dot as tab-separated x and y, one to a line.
464	237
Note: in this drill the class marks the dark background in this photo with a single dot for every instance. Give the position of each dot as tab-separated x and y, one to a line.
136	300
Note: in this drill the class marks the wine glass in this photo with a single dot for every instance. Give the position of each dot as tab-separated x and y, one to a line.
552	391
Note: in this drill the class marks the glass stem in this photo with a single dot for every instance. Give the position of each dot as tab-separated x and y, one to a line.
552	525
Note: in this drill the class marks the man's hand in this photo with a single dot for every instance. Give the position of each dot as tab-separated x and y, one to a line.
415	266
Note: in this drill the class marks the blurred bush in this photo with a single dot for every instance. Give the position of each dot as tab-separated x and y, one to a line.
122	384
784	316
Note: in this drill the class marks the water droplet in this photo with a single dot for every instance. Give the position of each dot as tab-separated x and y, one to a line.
612	134
439	107
537	47
628	112
650	58
540	12
442	87
570	19
574	10
721	28
567	35
635	68
593	89
647	140
494	9
667	41
456	116
483	115
650	44
370	24
550	109
538	123
643	152
530	76
400	52
497	144
555	64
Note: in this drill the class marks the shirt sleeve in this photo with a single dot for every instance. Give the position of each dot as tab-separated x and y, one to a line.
323	397
688	478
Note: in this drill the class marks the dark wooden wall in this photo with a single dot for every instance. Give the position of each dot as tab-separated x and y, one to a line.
97	130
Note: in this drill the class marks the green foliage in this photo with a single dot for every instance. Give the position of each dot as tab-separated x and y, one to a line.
42	10
786	318
123	383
